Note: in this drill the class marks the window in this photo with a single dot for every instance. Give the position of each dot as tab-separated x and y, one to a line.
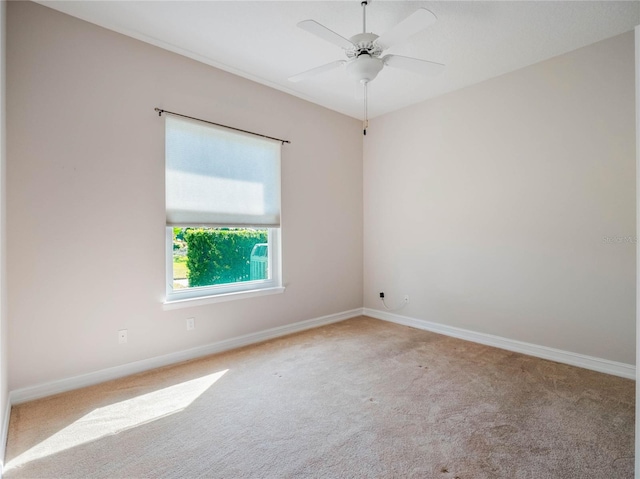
223	212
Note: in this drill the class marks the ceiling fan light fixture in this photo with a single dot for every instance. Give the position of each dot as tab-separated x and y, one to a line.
364	68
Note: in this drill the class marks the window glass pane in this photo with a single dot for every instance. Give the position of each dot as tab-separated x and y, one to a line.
217	256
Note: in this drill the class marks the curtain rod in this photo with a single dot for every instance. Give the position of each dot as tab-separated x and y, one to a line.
160	112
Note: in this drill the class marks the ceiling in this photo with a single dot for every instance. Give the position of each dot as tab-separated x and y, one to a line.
259	40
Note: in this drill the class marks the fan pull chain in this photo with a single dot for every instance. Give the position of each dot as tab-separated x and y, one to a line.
366	108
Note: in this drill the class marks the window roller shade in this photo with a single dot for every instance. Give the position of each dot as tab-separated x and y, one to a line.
220	177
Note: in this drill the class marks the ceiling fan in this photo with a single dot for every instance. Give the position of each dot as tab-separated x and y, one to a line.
364	50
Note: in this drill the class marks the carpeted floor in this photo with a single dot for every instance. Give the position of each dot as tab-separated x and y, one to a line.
360	398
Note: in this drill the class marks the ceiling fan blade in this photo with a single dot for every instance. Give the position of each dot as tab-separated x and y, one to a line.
317	70
417	21
413	64
323	32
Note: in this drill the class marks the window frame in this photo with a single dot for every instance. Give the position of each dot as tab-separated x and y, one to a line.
228	291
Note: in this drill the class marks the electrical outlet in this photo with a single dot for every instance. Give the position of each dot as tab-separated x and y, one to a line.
191	324
406	298
122	336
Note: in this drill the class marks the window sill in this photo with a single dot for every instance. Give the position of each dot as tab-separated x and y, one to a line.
218	298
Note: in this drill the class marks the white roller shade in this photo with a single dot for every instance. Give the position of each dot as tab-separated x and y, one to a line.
220	177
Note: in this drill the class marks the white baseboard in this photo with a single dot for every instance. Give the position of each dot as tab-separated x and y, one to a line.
76	382
574	359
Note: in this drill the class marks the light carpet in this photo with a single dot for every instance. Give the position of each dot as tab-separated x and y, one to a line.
359	398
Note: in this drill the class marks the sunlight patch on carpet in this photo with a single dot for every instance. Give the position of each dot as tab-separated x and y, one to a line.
119	417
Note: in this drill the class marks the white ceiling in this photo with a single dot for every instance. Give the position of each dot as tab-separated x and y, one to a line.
259	40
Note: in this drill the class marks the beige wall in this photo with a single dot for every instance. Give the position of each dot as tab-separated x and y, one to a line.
490	206
85	174
4	393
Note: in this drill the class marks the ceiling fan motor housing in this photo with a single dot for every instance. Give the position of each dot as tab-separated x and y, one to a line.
364	43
